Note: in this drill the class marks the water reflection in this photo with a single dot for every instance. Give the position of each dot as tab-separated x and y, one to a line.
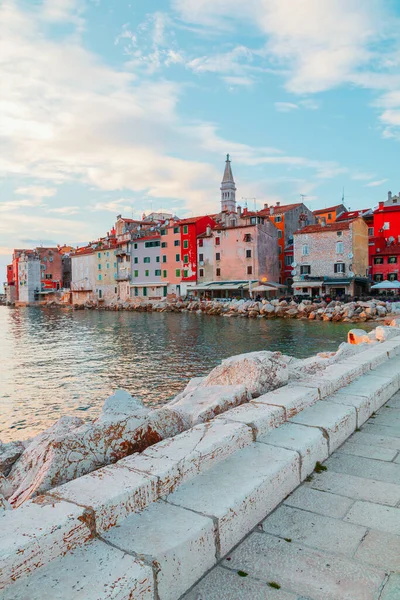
65	362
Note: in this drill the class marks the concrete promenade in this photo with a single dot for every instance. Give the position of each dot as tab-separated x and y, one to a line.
336	537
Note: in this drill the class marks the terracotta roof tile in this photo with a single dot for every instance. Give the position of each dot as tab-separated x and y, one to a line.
320	211
324	228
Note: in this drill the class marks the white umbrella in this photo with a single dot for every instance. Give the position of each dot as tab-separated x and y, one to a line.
263	288
386	285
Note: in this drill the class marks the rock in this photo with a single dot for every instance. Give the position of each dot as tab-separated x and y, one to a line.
358	336
9	453
260	372
311	316
381	311
205	403
122	403
383	334
292	312
54	458
4	504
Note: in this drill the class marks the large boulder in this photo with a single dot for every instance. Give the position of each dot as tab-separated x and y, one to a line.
204	403
259	372
9	454
54	458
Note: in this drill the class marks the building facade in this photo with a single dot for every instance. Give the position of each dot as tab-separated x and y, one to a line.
327	216
29	277
51	269
171	263
83	281
331	259
106	274
146	281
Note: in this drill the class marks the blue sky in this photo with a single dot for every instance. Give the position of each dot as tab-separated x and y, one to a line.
112	107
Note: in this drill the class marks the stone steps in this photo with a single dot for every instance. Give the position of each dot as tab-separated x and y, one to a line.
204	489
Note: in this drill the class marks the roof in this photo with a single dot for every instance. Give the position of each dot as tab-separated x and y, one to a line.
385	250
321	211
277	210
387	209
353	214
228	177
147	237
191	220
324	228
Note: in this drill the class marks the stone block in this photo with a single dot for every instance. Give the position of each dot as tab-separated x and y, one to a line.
310	573
391	591
370	358
375	516
239	492
39	532
374	387
337	421
180	543
317	531
293	398
356	487
381	550
309	442
372	437
112	493
223	584
175	460
260	417
364	467
205	403
322	503
368	451
333	378
388	418
363	405
95	572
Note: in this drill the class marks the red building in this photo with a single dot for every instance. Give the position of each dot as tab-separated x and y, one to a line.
190	229
51	268
385	245
385	261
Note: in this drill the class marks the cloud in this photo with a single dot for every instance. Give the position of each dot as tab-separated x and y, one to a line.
19	204
36	191
285	106
65	210
376	183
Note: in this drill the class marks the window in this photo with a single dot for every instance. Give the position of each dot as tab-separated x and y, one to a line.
145	291
157	259
339	233
178	243
217	241
163	232
253	221
392	277
100	293
115	290
280	265
147	272
185	229
99	277
135	247
218	272
200	243
136	291
146	259
128	258
329	216
152	244
248	253
99	267
218	256
386	225
157	273
186	258
288	261
201	273
370	231
339	268
247	237
378	260
50	259
164	258
279	250
378	277
279	233
107	265
278	219
392	260
185	244
178	257
249	270
115	265
98	254
164	273
305	250
163	244
177	272
136	260
339	247
176	229
136	273
305	270
185	273
50	276
201	257
115	254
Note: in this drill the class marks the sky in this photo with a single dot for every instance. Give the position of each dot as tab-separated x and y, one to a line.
114	107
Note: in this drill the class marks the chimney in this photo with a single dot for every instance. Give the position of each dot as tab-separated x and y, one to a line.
389	195
208	229
271	210
118	217
239	211
381	204
266	205
278	204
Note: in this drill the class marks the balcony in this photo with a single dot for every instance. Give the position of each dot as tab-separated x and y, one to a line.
123	276
120	252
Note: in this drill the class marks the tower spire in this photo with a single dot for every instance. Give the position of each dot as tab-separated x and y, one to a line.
228	188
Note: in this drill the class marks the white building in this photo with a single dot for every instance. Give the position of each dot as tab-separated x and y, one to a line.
83	271
28	277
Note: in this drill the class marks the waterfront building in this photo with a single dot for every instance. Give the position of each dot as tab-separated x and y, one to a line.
331	259
326	216
171	263
386	241
146	281
51	270
83	270
189	230
10	285
29	276
287	219
106	269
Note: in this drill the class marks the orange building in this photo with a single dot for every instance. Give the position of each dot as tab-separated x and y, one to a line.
326	216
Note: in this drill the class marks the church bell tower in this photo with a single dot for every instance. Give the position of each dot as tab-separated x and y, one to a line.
228	189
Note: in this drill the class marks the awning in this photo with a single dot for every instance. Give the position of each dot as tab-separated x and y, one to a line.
304	284
158	284
264	288
223	285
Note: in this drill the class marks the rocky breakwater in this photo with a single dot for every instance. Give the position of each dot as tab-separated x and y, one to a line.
72	448
346	312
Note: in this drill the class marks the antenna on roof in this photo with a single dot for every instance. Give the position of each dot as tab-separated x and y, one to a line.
302	196
343	195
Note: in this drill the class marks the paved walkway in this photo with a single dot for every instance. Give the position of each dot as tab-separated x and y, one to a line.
337	537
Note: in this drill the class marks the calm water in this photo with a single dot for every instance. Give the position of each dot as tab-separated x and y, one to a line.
58	362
